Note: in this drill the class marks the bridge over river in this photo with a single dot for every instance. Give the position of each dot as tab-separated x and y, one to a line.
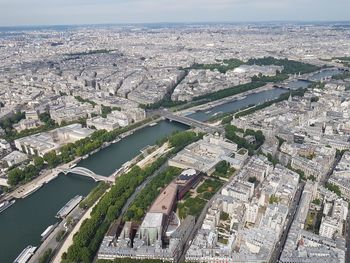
88	173
192	122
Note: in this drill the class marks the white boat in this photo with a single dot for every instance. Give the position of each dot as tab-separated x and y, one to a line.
6	204
48	231
25	255
67	208
152	124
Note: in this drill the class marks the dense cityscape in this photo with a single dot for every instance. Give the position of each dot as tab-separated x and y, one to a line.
156	143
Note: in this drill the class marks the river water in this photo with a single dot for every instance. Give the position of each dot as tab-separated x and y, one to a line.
236	105
22	223
324	74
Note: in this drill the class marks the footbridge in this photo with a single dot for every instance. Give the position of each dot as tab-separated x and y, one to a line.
88	173
192	122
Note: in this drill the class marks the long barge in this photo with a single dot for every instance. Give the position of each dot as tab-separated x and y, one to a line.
67	208
25	255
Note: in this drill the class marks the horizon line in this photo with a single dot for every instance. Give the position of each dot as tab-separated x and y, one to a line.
174	23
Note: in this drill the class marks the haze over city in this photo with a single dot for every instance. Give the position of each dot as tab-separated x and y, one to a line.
63	12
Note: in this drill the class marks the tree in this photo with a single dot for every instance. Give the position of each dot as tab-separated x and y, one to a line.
273	199
52	159
271	159
39	162
252	179
45	257
224	216
316	201
222	167
227	120
15	176
312	178
334	188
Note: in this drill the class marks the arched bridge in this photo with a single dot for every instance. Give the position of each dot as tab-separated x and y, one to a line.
86	172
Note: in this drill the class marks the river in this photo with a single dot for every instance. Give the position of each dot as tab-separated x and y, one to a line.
236	105
325	74
22	223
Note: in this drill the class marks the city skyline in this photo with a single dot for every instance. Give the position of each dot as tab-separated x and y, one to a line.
53	12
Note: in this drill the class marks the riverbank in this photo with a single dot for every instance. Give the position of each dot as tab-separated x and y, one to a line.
69	240
48	175
45	177
210	105
269	86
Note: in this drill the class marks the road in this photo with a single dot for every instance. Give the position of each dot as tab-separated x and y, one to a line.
276	254
325	178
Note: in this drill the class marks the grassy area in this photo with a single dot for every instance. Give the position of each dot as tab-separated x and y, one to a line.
279	77
210	186
289	66
221	66
313	221
193	205
310	221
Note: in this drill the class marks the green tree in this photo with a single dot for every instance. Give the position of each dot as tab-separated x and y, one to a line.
15	176
273	199
316	201
52	159
334	188
227	120
252	179
39	162
222	167
45	257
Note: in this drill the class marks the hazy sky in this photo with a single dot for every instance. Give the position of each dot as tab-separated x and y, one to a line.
39	12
